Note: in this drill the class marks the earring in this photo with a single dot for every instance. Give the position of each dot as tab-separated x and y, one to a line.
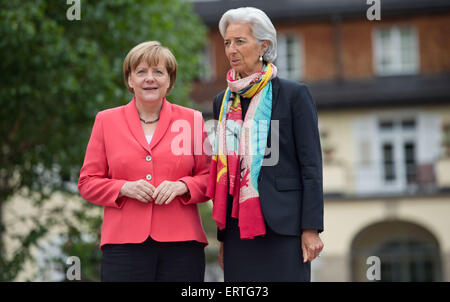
260	58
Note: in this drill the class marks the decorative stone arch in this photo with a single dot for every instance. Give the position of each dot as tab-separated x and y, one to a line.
407	250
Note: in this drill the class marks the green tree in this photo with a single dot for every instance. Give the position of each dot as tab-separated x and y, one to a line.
57	74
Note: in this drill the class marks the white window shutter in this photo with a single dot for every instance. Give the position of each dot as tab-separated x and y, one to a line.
368	157
429	138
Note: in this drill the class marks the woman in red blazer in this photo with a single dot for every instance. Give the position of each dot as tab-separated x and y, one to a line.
145	164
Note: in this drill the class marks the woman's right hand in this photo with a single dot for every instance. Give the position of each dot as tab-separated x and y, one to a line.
220	256
140	190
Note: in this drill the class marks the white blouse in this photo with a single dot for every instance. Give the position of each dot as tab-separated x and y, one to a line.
149	138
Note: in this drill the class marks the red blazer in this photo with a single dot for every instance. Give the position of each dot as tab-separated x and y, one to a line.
118	152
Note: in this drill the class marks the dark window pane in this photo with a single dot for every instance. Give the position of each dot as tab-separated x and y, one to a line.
386	125
388	161
410	162
409	124
406	260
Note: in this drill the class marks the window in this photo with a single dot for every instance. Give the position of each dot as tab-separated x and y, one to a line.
395	151
410	162
396	50
388	162
289	57
398	151
407	252
407	261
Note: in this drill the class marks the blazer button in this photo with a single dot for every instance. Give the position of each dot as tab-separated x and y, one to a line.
148	158
149	177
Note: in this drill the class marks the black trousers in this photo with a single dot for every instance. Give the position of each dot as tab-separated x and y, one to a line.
153	261
271	258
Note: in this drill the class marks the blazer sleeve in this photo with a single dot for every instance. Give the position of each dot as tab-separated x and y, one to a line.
198	180
94	184
309	154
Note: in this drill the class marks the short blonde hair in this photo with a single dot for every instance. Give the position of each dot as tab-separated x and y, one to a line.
151	52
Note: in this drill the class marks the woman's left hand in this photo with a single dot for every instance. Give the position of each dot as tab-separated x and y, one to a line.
168	190
312	245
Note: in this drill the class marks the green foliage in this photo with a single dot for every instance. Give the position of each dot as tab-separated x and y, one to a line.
57	74
11	267
83	245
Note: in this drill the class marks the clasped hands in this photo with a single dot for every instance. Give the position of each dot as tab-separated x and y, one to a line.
145	192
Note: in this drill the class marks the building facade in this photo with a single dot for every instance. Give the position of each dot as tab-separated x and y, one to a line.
382	91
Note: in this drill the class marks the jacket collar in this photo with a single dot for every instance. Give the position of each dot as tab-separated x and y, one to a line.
275	92
134	123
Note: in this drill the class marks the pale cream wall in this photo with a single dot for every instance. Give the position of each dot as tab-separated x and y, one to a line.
443	110
443	166
443	172
339	127
344	219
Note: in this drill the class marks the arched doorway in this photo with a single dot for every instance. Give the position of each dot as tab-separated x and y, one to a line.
407	251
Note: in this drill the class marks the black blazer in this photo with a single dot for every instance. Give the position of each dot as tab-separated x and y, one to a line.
291	191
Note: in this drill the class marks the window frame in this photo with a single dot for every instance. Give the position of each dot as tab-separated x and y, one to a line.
298	73
397	67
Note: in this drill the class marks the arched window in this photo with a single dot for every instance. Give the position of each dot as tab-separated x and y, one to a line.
407	252
408	260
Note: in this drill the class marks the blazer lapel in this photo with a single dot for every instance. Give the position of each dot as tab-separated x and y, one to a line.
134	123
274	116
165	118
275	92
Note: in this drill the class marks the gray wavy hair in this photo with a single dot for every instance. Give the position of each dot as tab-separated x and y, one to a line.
261	25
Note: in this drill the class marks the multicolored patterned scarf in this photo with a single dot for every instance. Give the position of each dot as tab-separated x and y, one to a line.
239	151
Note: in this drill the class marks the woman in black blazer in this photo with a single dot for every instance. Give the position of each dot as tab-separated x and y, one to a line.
266	173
